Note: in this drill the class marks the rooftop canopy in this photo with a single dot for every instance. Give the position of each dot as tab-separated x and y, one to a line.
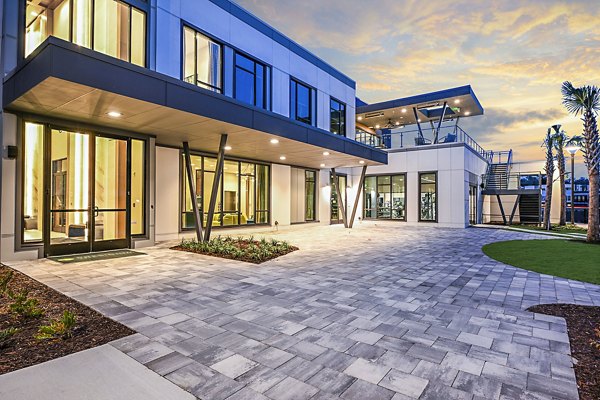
450	103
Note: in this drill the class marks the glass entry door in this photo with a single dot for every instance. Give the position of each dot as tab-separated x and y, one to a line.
88	196
336	215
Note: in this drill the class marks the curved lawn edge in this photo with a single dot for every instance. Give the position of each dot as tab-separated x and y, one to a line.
569	259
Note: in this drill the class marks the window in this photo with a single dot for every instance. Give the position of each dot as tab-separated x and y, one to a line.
242	197
202	64
337	112
119	30
385	197
138	179
303	103
252	82
310	182
33	182
428	197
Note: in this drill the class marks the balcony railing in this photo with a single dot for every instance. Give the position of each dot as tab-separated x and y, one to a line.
512	181
407	138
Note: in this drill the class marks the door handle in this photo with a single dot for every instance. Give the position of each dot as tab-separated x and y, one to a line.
96	211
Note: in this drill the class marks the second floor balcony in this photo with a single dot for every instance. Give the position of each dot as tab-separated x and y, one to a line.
413	137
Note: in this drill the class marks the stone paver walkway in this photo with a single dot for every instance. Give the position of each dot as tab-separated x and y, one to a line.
383	311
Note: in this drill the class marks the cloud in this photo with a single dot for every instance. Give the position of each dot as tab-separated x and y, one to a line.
515	54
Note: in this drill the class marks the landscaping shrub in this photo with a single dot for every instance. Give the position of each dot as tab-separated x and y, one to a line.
6	336
243	249
62	327
23	305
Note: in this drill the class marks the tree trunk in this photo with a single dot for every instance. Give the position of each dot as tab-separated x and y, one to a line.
593	233
547	206
563	193
590	135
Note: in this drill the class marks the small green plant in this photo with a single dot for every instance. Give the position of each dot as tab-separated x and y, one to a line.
596	340
240	248
4	280
6	335
24	305
62	327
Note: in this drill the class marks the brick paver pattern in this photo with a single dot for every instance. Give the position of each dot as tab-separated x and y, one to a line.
384	311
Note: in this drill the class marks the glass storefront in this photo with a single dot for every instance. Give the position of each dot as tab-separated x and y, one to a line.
92	196
428	197
310	194
384	197
108	26
242	198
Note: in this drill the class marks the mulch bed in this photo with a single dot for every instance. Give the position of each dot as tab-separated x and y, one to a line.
23	349
582	323
242	245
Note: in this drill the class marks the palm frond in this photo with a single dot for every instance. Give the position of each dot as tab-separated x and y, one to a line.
578	100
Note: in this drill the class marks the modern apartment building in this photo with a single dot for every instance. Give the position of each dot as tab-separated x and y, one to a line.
126	122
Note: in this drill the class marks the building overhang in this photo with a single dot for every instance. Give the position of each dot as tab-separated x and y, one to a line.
461	102
62	80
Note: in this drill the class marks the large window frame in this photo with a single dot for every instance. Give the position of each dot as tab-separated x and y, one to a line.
219	209
295	86
376	209
91	25
310	180
435	199
337	112
48	124
265	85
220	70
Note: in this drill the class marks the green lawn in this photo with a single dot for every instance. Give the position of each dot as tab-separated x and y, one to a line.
565	258
555	228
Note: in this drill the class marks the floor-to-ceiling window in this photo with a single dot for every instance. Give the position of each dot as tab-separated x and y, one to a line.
384	197
33	182
202	60
242	197
428	196
337	114
303	103
75	188
108	26
138	193
310	193
252	84
472	205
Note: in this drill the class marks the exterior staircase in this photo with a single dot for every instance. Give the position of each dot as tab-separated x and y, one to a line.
497	177
530	208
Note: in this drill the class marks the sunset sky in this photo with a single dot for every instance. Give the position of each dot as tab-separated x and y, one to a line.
515	54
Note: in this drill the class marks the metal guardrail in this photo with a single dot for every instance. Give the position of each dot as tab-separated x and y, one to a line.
410	138
500	157
513	181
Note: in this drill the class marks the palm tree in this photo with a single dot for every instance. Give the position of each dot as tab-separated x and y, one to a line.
559	139
549	168
585	100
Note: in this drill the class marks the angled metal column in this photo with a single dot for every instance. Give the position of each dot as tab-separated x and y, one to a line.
501	208
191	184
215	187
341	206
514	210
418	123
437	131
361	183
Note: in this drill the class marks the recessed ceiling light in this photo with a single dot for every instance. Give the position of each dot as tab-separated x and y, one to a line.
404	110
456	101
227	148
114	114
282	158
467	113
377	126
274	141
419	120
361	162
397	123
325	153
360	118
322	165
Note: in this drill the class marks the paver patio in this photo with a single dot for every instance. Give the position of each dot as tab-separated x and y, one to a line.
383	311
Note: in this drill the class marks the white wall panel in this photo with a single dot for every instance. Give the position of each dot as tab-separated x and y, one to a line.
281	199
167	194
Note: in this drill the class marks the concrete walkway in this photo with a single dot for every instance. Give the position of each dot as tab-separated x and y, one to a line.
101	373
383	311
